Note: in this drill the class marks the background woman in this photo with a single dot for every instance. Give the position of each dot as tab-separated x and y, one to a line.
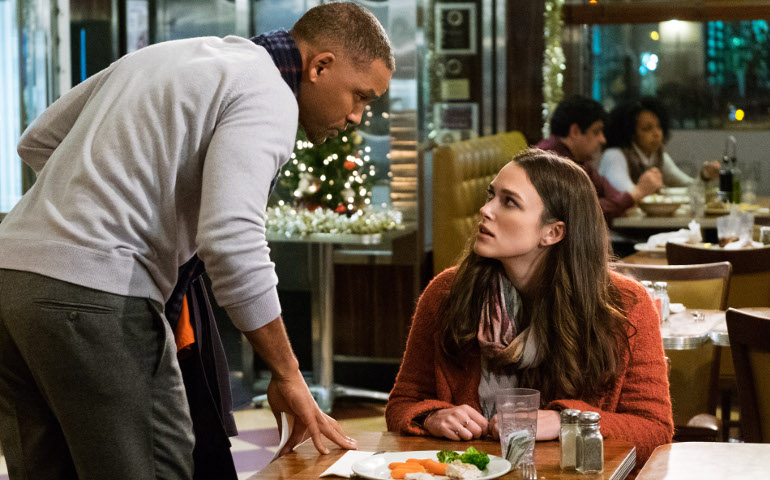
636	132
533	304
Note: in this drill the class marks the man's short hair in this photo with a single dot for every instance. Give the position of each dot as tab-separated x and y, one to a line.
350	27
578	109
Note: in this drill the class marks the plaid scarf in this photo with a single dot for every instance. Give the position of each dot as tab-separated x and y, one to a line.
285	54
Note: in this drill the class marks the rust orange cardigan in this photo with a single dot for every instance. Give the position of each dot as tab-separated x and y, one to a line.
637	408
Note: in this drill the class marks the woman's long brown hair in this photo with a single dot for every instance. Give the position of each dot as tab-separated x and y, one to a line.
574	311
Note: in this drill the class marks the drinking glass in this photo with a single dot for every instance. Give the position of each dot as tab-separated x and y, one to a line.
764	235
697	192
517	420
727	230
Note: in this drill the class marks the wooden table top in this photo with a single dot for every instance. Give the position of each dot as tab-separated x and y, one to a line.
707	461
646	258
306	463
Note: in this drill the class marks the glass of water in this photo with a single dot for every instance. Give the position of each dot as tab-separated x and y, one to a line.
517	420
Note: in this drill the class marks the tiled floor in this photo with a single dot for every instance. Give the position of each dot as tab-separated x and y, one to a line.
258	435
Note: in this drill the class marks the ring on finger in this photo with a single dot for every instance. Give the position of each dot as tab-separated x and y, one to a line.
466	423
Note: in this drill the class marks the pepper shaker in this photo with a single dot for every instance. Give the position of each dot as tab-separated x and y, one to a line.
590	444
568	434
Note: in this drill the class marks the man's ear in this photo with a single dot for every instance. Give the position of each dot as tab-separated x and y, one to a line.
553	233
319	64
574	131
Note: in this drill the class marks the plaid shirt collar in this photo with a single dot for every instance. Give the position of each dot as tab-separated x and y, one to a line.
285	54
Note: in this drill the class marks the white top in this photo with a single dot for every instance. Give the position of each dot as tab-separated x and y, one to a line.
168	151
614	167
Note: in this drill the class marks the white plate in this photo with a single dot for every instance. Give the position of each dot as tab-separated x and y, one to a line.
675	191
376	466
643	247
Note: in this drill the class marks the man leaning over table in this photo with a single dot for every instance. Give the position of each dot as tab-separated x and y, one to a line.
577	127
170	151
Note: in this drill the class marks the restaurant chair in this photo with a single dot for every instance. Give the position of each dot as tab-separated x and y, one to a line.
462	171
749	287
702	286
750	344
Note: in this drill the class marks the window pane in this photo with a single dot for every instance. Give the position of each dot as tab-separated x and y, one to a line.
10	164
709	75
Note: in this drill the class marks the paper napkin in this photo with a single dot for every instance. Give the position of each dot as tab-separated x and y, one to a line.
344	466
691	234
287	425
743	243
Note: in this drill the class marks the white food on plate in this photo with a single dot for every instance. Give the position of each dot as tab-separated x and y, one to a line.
462	471
422	476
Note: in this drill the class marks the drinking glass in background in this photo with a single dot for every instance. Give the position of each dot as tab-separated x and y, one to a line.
727	230
749	192
517	420
750	181
697	193
764	235
735	226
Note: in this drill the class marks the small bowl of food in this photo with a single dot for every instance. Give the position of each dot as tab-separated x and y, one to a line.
660	205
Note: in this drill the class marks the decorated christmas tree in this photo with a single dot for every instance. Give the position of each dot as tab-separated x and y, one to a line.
336	175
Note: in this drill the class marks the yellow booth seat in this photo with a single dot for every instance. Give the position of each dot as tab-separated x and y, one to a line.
461	173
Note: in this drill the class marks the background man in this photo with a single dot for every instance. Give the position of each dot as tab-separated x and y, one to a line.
577	128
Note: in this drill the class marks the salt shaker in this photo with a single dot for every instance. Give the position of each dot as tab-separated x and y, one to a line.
590	444
568	438
655	299
661	291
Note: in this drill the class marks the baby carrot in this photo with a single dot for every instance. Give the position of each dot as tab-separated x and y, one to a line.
434	467
402	471
406	464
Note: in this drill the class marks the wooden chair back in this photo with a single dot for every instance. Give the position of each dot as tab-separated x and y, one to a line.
750	343
702	286
750	281
693	375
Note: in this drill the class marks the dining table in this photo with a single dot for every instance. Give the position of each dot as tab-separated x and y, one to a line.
306	463
635	219
707	461
681	331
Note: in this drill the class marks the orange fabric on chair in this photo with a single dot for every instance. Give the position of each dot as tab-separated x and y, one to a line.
184	335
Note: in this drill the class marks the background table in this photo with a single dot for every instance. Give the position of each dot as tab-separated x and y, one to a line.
707	461
321	271
306	463
681	332
642	222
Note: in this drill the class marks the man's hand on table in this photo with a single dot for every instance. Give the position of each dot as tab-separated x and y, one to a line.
291	395
288	392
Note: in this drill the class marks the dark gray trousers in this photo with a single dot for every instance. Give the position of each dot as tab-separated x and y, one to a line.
90	386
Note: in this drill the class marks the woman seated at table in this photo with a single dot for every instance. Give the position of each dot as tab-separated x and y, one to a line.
636	132
533	304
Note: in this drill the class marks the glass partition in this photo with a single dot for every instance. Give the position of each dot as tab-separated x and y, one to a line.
10	164
709	75
26	86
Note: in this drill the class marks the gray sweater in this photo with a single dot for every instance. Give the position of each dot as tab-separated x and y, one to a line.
168	151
